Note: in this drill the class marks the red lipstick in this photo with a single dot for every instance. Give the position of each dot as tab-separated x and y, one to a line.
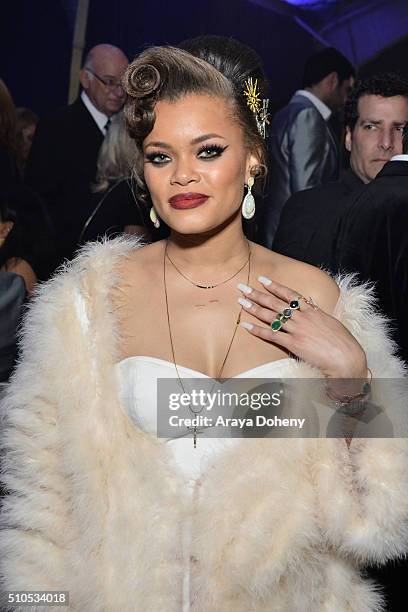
183	201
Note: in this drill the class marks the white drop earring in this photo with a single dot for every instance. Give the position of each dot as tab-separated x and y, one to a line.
154	218
248	203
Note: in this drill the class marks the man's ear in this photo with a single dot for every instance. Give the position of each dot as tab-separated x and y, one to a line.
5	228
84	78
332	81
347	140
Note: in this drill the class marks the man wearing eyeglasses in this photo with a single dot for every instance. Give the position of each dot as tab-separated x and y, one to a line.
102	92
62	162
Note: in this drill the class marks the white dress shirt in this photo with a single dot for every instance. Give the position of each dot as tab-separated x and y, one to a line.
99	118
323	109
402	157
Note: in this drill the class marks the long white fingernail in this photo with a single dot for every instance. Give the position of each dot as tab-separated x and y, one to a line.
245	303
246	325
244	288
264	280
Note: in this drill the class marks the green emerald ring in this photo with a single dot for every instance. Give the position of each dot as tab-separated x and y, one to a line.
276	325
280	319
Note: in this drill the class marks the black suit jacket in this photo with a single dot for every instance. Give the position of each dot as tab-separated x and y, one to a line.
113	209
373	241
61	167
309	223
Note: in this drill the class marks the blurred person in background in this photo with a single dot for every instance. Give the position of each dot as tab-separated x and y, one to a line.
114	208
13	245
12	296
372	240
26	124
304	149
375	114
17	280
9	173
36	249
63	157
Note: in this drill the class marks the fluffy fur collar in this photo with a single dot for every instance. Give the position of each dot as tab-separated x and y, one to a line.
97	506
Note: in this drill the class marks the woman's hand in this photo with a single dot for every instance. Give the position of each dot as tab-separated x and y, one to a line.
310	334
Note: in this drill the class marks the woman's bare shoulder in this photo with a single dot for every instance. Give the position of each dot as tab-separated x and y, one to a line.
303	278
23	268
138	273
144	261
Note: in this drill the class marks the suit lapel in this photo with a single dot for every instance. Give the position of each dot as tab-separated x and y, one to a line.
306	103
333	139
394	168
87	122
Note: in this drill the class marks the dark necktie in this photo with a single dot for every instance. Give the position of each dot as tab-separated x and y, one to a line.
107	124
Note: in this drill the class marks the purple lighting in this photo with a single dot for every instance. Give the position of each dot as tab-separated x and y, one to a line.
311	4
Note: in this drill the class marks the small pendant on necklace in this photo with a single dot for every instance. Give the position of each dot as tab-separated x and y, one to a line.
196	432
206	286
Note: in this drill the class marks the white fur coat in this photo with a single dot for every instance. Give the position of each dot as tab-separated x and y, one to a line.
96	509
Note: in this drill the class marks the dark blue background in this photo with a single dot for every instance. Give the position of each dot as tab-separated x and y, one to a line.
36	37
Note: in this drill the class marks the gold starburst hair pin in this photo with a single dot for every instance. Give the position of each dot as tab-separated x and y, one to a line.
257	105
252	95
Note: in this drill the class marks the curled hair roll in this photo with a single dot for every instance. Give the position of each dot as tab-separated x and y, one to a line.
213	66
141	81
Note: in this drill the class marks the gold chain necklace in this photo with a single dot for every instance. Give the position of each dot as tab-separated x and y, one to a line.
208	286
194	428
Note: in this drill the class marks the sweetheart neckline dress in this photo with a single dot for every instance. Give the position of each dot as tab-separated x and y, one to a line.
137	376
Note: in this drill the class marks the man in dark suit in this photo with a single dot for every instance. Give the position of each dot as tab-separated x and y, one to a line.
373	241
62	162
375	115
304	151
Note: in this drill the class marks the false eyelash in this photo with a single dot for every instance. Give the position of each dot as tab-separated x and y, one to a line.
214	147
151	156
219	149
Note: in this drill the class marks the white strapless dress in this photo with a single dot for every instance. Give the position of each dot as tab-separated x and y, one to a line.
137	377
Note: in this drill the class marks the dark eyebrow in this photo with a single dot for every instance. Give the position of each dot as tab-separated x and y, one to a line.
197	140
379	121
205	137
157	143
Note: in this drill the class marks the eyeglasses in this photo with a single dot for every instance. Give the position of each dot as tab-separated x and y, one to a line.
109	83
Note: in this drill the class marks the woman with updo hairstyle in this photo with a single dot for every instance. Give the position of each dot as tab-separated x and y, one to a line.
138	477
